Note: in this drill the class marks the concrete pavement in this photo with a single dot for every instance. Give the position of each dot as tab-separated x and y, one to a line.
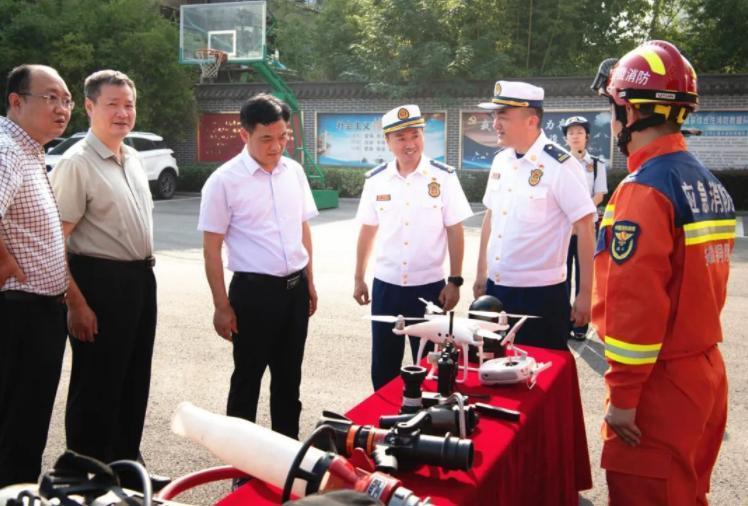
192	363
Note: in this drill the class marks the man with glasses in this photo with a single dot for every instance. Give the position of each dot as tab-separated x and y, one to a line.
535	196
106	210
32	269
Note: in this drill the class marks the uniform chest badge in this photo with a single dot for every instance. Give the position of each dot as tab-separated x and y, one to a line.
625	235
384	198
590	168
535	176
434	189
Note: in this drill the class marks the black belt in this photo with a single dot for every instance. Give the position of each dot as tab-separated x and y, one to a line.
284	282
19	296
146	263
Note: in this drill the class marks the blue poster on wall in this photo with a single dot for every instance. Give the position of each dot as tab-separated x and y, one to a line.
479	138
723	143
356	140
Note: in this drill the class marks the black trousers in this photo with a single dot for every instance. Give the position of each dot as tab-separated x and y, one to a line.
110	377
572	264
272	318
32	343
550	302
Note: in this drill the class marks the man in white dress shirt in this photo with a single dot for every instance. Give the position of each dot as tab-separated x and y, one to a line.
416	206
535	195
259	204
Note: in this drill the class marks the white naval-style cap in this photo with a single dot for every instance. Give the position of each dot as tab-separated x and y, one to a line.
405	116
514	94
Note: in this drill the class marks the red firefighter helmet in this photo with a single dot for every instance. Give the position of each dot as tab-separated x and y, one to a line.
653	73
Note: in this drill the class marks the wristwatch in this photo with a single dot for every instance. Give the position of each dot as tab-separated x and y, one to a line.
455	280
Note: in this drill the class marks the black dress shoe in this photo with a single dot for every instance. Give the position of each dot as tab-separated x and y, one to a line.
237	483
133	482
579	335
158	482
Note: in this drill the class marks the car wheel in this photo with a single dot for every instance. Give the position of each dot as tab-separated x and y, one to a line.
166	185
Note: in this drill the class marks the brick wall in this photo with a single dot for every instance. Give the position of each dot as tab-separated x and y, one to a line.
717	92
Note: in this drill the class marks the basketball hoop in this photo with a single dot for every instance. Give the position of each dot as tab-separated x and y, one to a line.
210	62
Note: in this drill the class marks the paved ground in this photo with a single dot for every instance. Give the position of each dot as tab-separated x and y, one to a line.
192	363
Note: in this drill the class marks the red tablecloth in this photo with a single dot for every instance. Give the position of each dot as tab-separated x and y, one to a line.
542	459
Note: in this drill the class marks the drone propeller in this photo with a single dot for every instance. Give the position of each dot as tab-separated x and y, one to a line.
430	306
493	314
390	319
451	323
487	334
509	339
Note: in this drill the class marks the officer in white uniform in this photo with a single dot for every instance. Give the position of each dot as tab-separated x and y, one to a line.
535	195
416	206
576	131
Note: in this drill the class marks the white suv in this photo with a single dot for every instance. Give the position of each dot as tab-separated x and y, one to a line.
158	160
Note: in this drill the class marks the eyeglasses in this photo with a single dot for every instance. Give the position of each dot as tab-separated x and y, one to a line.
53	100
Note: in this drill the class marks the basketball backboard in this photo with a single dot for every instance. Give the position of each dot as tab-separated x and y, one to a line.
238	28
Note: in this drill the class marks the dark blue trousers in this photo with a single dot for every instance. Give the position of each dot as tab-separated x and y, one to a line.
572	264
551	303
386	347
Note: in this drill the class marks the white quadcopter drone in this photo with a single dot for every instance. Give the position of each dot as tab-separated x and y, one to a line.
440	328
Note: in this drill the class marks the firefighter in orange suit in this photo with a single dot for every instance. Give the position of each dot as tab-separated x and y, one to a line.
660	281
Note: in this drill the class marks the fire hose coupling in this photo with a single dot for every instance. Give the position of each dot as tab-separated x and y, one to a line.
400	447
413	376
436	420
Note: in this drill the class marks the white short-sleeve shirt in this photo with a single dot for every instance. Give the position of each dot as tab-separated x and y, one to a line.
595	183
534	200
411	214
259	213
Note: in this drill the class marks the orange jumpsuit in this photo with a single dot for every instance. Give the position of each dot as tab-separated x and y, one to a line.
660	281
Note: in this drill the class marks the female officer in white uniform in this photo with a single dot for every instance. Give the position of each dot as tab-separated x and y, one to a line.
576	130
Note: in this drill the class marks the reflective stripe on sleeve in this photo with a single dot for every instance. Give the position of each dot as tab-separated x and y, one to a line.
706	231
629	353
608	215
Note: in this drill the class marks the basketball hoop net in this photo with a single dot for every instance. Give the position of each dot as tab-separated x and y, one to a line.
210	62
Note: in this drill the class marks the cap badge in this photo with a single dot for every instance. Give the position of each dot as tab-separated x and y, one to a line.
497	90
403	113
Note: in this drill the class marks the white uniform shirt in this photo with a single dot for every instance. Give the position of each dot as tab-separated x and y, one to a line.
412	213
260	214
595	183
531	223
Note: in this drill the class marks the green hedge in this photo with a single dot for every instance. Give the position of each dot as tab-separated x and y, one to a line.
193	177
349	181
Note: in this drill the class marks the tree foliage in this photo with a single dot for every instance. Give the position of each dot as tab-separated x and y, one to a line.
398	46
78	37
